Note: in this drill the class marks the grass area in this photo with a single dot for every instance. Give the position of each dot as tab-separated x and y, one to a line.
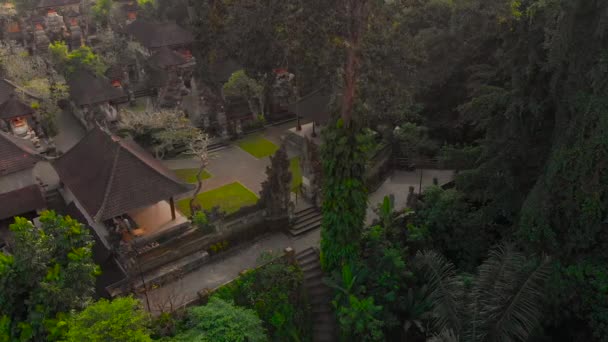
189	175
296	174
230	198
258	146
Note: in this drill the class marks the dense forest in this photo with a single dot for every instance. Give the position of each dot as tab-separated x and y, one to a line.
512	92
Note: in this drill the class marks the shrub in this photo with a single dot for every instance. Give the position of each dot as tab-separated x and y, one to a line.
221	321
274	292
201	221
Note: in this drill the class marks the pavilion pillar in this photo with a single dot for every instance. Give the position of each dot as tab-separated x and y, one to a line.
172	204
314	134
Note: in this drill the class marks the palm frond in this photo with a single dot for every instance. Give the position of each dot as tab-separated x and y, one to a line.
520	310
444	289
445	335
498	271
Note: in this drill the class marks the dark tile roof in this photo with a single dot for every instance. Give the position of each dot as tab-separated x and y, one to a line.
315	106
87	88
155	34
15	156
21	201
166	57
6	90
56	3
13	108
111	176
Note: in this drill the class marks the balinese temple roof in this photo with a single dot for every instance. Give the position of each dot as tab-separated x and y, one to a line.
315	106
166	57
21	201
86	88
110	176
56	3
155	35
13	108
16	155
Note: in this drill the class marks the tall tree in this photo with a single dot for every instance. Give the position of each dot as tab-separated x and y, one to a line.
343	154
50	271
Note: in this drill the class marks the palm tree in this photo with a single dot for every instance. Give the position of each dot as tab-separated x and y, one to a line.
501	303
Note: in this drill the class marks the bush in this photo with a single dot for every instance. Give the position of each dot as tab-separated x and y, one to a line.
274	292
221	321
201	221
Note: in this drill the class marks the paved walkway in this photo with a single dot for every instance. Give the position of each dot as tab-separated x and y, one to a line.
70	131
222	270
227	166
398	184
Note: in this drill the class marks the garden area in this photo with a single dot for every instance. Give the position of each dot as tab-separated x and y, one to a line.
189	175
229	198
258	146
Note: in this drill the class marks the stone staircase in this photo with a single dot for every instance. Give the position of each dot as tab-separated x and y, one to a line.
306	220
320	296
54	200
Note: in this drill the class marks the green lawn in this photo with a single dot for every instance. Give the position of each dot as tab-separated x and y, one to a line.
189	175
296	174
230	198
258	146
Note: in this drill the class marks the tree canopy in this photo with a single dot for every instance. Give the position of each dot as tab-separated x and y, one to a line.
49	272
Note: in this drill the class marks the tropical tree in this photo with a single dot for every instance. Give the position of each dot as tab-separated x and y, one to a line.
241	85
221	321
121	319
502	302
162	130
49	272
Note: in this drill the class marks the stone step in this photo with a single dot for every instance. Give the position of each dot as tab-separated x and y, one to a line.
308	259
307	216
306	212
305	229
313	273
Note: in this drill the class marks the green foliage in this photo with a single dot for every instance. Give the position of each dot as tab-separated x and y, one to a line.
68	62
414	141
201	221
101	11
221	321
274	291
459	157
122	319
345	198
503	302
50	272
241	85
451	221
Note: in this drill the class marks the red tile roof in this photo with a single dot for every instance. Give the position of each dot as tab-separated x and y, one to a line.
111	176
21	201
